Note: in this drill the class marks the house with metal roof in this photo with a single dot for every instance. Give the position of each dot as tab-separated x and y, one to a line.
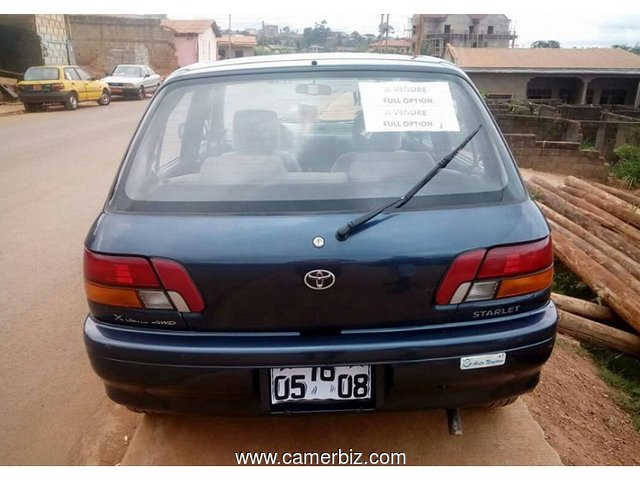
195	40
236	46
391	45
598	76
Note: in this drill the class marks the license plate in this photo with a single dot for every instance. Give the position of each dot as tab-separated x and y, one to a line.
116	90
313	384
37	87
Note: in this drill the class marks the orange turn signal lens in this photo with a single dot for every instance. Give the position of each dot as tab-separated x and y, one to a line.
511	287
118	297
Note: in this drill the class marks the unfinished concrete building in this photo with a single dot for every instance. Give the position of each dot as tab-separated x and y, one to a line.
29	40
464	30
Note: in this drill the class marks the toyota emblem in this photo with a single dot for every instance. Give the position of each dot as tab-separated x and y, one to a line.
319	279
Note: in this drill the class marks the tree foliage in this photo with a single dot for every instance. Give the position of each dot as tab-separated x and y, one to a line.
635	49
545	44
317	35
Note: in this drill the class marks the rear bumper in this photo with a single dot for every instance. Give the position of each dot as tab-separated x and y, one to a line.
226	373
124	90
43	97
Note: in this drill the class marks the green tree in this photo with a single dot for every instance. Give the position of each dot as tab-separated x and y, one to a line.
635	49
317	35
545	44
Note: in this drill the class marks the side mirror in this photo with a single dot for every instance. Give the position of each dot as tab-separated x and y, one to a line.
147	76
93	77
106	74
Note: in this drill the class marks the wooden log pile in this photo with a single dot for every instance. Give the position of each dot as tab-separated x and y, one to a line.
596	234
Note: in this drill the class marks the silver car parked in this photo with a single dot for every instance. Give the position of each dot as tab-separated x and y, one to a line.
133	80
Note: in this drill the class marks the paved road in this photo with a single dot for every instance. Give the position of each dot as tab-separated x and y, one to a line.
55	170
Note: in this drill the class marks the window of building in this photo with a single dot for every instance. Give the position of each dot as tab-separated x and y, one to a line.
490	30
239	53
447	29
538	93
474	45
471	29
565	95
613	97
589	97
222	53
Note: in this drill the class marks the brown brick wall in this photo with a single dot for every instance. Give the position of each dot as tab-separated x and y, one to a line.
580	112
545	128
557	157
103	41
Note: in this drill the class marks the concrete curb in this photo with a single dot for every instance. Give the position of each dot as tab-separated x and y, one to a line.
10	110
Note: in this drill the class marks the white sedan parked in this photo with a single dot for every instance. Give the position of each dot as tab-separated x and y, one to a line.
133	80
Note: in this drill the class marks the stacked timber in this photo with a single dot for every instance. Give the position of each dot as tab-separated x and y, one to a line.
596	234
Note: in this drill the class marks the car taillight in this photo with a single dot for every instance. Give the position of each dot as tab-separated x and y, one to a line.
56	87
132	282
179	285
499	272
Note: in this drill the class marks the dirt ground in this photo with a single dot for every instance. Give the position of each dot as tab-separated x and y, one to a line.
578	414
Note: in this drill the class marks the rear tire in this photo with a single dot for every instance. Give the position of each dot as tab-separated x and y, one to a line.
501	403
72	102
142	94
105	98
31	107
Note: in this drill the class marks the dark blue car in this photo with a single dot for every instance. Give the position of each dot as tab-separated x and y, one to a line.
318	233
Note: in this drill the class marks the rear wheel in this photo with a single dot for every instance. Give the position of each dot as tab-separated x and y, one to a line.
141	94
31	107
105	98
72	102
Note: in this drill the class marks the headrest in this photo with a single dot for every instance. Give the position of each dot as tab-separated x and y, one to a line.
256	132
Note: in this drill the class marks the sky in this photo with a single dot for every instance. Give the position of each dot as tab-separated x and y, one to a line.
606	23
571	30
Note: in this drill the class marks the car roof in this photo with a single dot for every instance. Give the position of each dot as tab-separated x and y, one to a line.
306	59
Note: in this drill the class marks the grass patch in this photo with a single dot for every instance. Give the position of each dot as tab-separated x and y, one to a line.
588	144
623	373
628	165
568	283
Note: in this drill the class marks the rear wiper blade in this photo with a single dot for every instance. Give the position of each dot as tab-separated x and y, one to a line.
344	232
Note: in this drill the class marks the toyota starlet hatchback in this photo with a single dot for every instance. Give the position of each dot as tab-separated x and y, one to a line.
318	233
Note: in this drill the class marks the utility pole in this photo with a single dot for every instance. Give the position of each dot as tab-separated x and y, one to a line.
379	49
386	29
418	34
229	49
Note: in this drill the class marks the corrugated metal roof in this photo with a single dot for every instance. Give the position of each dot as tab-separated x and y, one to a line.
544	58
188	26
238	40
392	42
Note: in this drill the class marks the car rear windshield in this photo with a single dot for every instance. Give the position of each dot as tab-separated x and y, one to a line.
313	142
42	73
